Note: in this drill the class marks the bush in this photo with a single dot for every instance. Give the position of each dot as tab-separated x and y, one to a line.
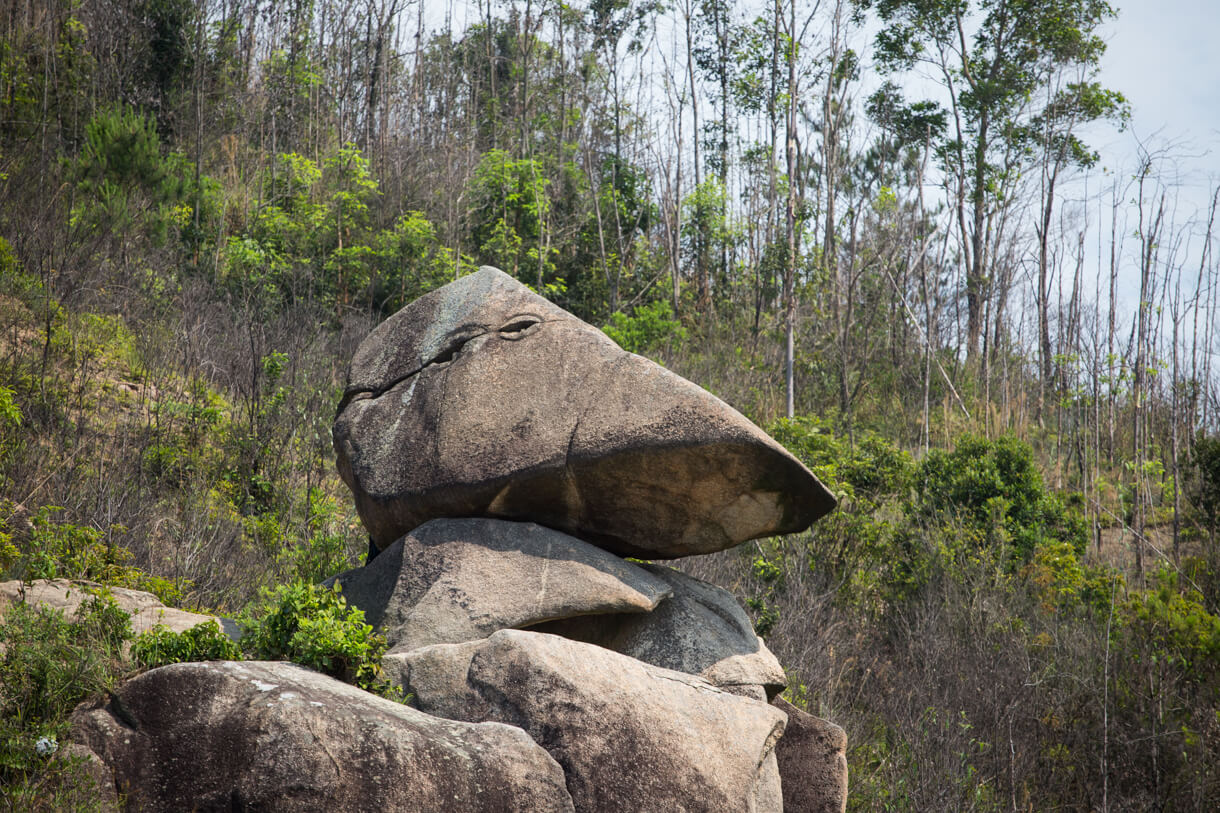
323	553
867	545
994	488
49	665
1204	485
650	327
161	646
313	625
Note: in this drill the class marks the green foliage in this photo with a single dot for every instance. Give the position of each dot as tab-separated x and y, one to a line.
65	550
314	626
994	488
1013	52
705	225
1064	582
323	552
1169	624
10	412
867	540
48	665
411	261
510	206
121	178
766	616
161	646
649	328
1204	489
871	469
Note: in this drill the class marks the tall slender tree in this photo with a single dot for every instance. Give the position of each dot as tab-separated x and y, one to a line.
994	58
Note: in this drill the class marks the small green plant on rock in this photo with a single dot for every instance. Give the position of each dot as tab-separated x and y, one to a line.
203	642
313	625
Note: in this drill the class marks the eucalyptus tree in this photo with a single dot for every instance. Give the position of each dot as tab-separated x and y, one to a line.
994	60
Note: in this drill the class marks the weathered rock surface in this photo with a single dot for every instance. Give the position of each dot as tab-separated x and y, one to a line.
454	580
629	736
85	782
279	737
483	399
812	762
67	596
700	630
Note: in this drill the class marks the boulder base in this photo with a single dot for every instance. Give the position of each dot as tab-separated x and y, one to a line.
279	737
629	736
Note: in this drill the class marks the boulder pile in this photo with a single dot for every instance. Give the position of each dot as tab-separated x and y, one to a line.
505	458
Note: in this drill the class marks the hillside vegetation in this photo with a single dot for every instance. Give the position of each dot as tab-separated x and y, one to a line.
1010	387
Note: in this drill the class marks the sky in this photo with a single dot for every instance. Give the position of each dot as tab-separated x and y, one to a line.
1164	55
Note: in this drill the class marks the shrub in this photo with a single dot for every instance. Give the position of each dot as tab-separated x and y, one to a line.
1204	487
994	487
203	642
313	625
48	665
650	327
867	544
1062	581
323	553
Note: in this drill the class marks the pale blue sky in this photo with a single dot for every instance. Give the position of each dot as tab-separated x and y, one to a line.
1165	55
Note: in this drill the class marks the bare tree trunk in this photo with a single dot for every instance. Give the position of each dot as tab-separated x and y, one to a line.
1149	233
1202	382
1113	310
1175	422
790	223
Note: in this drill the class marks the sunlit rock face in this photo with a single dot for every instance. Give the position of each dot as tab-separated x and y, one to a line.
484	399
629	736
275	736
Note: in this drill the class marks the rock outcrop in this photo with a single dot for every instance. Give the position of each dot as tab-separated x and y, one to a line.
812	762
629	736
279	737
504	457
483	399
454	580
700	630
67	596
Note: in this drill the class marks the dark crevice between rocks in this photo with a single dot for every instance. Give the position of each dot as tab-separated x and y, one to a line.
121	714
518	326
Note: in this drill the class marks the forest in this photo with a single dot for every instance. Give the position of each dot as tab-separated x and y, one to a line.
880	229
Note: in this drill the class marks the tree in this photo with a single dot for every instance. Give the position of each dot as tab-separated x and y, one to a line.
1205	488
993	76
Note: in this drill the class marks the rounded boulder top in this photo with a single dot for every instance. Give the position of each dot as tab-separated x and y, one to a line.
482	398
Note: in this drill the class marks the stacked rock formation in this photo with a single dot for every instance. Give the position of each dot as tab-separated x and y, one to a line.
505	457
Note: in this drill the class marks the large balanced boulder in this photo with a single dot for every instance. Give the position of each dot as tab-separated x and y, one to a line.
482	398
812	762
629	736
700	630
454	580
279	737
